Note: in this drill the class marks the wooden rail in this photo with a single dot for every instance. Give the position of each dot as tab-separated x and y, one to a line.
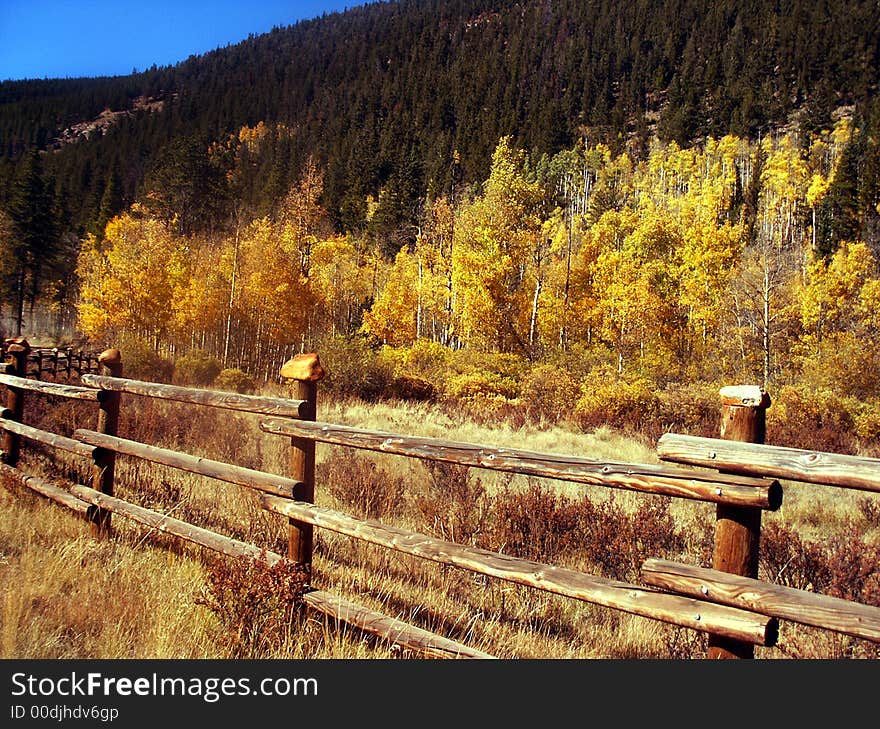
46	438
647	478
697	615
794	464
787	603
51	388
736	625
391	629
249	477
212	398
46	488
82	499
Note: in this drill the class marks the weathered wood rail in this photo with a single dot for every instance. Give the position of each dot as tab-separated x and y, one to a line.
728	603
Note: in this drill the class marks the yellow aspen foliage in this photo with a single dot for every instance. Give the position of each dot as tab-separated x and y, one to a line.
868	306
817	189
275	298
434	257
784	183
302	220
494	236
131	279
832	300
552	317
392	318
634	285
204	299
708	257
340	282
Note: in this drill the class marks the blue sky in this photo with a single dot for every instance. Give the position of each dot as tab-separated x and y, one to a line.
71	38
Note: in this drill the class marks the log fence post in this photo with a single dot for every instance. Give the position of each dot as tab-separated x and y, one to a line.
108	423
17	353
304	372
737	528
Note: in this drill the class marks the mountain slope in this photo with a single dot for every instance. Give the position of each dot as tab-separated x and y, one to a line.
383	94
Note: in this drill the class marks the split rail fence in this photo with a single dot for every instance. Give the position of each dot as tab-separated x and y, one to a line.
736	472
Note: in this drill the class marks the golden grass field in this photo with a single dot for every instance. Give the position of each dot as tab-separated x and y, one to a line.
64	594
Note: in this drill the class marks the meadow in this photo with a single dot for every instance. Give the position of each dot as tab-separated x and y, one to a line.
143	594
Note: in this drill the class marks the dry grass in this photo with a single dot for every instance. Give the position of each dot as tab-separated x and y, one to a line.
141	594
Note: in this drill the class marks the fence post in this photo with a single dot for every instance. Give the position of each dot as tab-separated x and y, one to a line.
17	361
108	423
738	529
304	371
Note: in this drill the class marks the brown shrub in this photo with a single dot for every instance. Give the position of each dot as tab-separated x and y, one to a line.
854	567
455	505
786	559
692	409
548	393
869	508
536	523
407	387
255	604
372	493
844	566
540	524
618	542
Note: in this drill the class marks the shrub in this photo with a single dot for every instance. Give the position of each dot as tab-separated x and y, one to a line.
867	422
235	380
618	542
354	369
425	360
477	384
540	524
548	393
536	523
410	388
196	367
802	417
140	361
844	566
869	508
456	506
842	362
254	603
692	409
607	399
786	559
357	482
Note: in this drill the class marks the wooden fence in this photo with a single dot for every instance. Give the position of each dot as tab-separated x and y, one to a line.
55	362
736	472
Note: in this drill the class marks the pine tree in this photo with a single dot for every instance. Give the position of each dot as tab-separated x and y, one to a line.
111	203
35	232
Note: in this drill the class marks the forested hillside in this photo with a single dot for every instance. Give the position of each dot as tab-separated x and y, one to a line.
383	94
456	194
